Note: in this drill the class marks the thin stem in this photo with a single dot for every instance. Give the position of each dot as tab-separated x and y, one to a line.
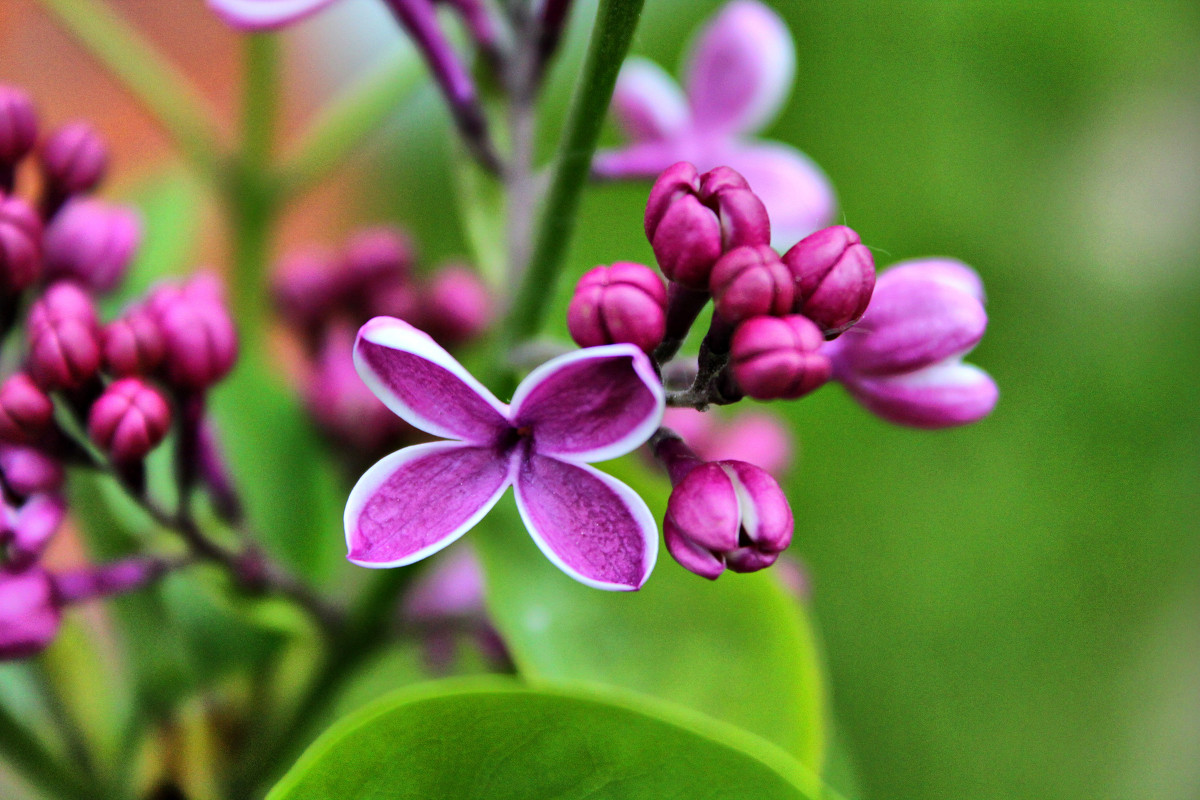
157	84
616	21
340	128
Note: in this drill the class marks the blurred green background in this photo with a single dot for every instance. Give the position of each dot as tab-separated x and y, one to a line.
1010	610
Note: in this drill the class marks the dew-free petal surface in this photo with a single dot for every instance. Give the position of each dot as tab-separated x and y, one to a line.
256	15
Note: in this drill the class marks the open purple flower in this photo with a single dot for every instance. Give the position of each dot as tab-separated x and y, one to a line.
739	73
589	405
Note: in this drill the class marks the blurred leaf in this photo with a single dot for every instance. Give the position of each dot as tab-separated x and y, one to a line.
491	739
737	649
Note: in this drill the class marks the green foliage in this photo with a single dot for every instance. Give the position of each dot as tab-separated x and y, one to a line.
492	740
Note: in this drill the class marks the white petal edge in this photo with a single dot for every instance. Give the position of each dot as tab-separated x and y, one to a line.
399	335
626	444
632	500
374	477
264	14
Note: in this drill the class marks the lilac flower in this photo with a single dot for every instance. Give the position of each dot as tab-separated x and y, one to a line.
589	405
738	76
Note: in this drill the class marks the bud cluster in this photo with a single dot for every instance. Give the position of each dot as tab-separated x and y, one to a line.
782	326
325	296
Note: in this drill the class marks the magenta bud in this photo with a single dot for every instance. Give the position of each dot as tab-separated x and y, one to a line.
26	412
18	125
32	527
133	344
74	159
29	613
778	357
92	242
307	285
29	470
199	338
341	403
129	420
64	338
691	219
402	300
626	302
375	255
106	580
727	514
457	306
750	282
834	276
20	245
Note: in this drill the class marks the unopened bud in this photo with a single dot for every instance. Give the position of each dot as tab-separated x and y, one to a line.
750	282
74	159
129	420
133	343
835	275
626	302
29	613
64	338
198	334
306	286
18	125
457	306
20	245
26	412
778	357
375	255
29	470
92	242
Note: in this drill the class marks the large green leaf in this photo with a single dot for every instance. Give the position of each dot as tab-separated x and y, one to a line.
489	739
739	649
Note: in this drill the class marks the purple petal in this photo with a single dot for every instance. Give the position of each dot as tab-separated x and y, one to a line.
798	196
648	104
420	499
941	396
949	271
593	527
642	160
416	378
29	613
740	69
592	404
257	15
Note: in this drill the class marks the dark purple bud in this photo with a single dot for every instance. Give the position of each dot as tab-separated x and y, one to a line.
750	282
691	219
626	302
20	245
457	306
18	125
835	275
129	420
25	410
29	613
92	242
133	344
727	514
28	470
74	159
106	580
64	338
307	286
199	336
31	528
778	357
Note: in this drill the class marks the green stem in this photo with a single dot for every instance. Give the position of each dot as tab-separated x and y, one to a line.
149	76
616	21
29	756
341	127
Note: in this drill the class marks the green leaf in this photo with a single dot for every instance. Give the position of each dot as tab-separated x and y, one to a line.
489	738
739	649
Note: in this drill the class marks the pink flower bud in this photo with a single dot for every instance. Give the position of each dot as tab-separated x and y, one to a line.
31	527
750	282
92	242
691	219
20	245
778	357
105	580
129	420
18	125
29	613
74	159
626	302
903	361
133	344
29	470
341	403
25	410
307	286
198	334
835	275
378	255
64	338
727	514
457	306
